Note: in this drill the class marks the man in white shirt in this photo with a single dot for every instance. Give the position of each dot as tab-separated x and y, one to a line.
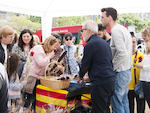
121	46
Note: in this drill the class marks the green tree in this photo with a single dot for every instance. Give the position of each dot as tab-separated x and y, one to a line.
34	19
73	20
133	20
19	23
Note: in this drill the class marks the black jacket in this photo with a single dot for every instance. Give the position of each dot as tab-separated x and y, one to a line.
2	53
97	60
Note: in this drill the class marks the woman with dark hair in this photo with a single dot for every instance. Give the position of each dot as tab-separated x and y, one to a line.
15	86
22	48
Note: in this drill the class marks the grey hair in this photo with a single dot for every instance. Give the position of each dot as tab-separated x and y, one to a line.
90	25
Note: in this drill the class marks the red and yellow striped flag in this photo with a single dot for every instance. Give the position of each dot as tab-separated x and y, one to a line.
45	95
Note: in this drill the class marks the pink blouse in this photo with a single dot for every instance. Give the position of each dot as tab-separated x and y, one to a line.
38	63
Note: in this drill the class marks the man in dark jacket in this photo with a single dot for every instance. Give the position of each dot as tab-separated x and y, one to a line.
97	61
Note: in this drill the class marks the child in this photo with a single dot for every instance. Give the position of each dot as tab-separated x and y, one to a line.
15	86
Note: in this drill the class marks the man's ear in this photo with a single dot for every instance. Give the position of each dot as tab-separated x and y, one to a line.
2	36
105	31
110	18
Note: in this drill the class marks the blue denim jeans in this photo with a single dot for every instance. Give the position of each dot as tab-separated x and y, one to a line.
120	102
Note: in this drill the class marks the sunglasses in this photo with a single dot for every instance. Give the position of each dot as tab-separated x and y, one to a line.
68	39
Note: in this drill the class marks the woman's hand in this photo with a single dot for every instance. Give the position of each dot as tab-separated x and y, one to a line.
79	80
51	54
139	65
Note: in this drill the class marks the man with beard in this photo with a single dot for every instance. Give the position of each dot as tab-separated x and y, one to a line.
121	48
102	33
97	61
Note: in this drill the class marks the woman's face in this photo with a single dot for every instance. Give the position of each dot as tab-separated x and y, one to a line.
26	38
54	46
145	38
134	42
8	39
58	43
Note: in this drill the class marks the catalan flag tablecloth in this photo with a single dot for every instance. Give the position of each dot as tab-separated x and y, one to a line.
45	95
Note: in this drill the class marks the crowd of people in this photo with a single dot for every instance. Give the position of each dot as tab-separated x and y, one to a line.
114	66
23	62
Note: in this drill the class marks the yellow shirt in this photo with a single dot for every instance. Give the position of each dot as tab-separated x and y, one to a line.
139	58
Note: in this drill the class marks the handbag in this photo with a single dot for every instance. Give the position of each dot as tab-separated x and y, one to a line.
31	81
139	89
28	88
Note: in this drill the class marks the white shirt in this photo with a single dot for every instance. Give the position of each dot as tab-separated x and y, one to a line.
145	72
4	73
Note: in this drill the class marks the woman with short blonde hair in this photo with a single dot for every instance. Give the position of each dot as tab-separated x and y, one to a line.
5	31
6	38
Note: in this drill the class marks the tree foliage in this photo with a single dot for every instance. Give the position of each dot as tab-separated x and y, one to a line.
34	19
73	20
133	20
22	22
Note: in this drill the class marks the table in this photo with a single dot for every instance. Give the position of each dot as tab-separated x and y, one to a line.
45	95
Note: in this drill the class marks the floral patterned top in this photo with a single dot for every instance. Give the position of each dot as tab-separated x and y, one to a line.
23	54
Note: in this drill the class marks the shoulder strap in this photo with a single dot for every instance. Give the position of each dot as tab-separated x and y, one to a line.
1	80
135	59
1	76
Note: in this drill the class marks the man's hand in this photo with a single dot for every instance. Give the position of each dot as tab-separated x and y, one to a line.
79	80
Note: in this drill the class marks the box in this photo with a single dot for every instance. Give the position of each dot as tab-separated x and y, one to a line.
52	82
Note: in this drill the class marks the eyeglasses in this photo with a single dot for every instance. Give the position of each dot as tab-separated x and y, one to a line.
83	30
11	36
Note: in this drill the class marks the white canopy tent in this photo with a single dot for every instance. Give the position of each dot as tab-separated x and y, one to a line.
48	9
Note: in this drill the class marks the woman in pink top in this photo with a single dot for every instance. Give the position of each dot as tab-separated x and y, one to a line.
38	59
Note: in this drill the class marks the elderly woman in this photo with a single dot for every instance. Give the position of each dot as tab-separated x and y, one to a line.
39	58
6	38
